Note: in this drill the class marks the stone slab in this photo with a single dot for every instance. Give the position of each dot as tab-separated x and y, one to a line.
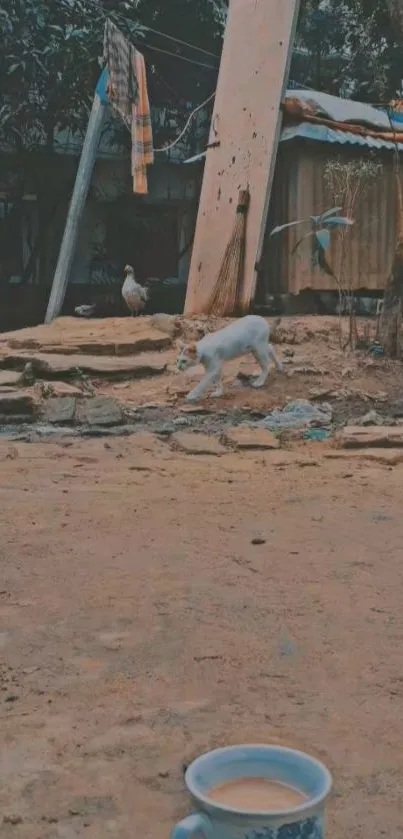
100	411
49	366
362	437
9	377
18	404
105	336
65	389
251	438
59	410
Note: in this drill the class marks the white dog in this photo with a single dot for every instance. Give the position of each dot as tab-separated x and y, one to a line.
250	334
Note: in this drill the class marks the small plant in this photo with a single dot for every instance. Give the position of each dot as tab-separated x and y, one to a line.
320	232
347	181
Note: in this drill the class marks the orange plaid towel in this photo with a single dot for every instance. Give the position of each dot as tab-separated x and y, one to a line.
142	135
122	85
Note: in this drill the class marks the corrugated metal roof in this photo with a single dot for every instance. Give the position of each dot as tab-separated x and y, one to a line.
338	110
345	110
325	134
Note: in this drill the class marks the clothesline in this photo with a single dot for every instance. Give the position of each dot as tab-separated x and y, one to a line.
123	83
101	90
145	28
179	41
121	87
180	57
184	130
119	17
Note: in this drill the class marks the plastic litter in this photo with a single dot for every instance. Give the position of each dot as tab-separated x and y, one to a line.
317	434
376	350
298	414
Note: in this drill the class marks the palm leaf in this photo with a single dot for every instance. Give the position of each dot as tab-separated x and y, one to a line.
331	212
323	238
284	226
339	221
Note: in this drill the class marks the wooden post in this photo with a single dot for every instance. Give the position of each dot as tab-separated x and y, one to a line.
77	204
243	142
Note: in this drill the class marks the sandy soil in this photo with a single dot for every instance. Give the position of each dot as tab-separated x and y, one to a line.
140	627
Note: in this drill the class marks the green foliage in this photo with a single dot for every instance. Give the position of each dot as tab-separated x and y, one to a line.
348	46
50	54
48	62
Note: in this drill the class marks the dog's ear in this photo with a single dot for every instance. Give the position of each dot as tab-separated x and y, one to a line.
192	351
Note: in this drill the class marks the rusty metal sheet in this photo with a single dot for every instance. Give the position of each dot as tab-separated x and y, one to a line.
299	191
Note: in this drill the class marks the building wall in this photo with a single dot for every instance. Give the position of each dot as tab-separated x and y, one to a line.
300	191
159	227
169	208
18	229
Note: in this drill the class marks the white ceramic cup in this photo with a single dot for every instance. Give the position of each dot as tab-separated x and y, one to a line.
276	763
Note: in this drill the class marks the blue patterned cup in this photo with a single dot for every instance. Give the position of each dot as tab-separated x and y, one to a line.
287	766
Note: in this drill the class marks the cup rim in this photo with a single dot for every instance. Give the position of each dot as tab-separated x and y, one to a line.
310	804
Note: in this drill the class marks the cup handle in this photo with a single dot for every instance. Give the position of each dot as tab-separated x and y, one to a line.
194	825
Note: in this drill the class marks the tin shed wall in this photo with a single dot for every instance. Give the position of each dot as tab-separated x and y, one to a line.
300	191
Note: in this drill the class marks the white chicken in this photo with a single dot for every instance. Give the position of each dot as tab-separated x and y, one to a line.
134	295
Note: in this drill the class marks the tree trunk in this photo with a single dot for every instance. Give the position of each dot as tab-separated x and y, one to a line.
395	9
391	316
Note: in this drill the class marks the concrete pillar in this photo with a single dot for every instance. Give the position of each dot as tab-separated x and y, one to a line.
243	139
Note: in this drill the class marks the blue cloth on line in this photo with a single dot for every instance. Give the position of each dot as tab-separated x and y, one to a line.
102	86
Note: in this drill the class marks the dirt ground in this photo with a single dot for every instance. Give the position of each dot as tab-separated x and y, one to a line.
140	626
309	347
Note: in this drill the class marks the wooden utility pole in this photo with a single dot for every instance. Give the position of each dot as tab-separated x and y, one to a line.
77	203
243	140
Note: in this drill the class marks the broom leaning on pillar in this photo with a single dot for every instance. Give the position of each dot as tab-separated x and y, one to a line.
225	298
